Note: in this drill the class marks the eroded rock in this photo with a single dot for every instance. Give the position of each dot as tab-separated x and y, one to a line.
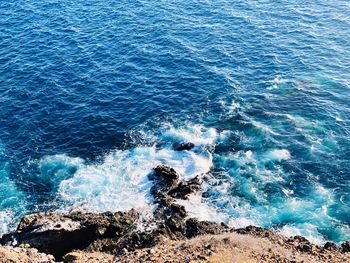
58	233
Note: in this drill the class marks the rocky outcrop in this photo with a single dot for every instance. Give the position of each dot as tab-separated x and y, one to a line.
57	234
171	217
61	233
79	236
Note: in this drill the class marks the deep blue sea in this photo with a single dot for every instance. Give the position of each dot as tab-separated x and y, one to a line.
94	93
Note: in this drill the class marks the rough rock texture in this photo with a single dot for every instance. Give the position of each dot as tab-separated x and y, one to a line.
172	218
57	234
346	246
88	257
230	247
184	189
60	233
114	237
23	255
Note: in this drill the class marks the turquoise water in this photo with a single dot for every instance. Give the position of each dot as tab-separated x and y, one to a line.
94	94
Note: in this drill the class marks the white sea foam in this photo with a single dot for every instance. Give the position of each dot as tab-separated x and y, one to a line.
276	82
197	207
277	155
120	181
264	127
241	222
195	134
339	119
307	230
6	218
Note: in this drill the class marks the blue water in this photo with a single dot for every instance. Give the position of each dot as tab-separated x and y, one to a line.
94	93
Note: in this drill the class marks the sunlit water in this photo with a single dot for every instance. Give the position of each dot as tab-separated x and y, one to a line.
94	94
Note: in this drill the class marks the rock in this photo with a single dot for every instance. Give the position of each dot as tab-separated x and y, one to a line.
254	230
305	247
345	246
194	227
330	246
165	179
87	257
79	236
23	255
183	146
57	234
184	189
166	174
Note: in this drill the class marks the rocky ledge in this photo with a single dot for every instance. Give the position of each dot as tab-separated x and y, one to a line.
80	236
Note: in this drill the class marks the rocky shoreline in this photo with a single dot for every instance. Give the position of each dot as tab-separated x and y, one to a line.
80	236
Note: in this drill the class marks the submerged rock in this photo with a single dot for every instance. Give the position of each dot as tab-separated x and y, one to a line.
183	146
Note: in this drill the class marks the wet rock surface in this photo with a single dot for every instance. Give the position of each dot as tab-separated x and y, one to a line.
185	146
79	236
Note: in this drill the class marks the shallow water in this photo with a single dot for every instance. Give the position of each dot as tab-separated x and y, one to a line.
94	93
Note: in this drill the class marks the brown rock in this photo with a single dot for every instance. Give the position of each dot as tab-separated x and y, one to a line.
59	233
21	255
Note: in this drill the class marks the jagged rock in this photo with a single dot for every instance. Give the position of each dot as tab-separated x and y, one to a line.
166	174
165	178
183	146
171	217
330	246
184	189
56	233
345	246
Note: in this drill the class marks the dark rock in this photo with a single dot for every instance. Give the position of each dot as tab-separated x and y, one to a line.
56	233
165	179
61	233
184	189
300	239
305	247
254	230
183	146
166	174
330	246
194	227
345	246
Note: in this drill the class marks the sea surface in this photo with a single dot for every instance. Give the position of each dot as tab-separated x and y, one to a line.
93	94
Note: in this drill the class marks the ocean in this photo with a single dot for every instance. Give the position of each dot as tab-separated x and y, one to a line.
93	95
